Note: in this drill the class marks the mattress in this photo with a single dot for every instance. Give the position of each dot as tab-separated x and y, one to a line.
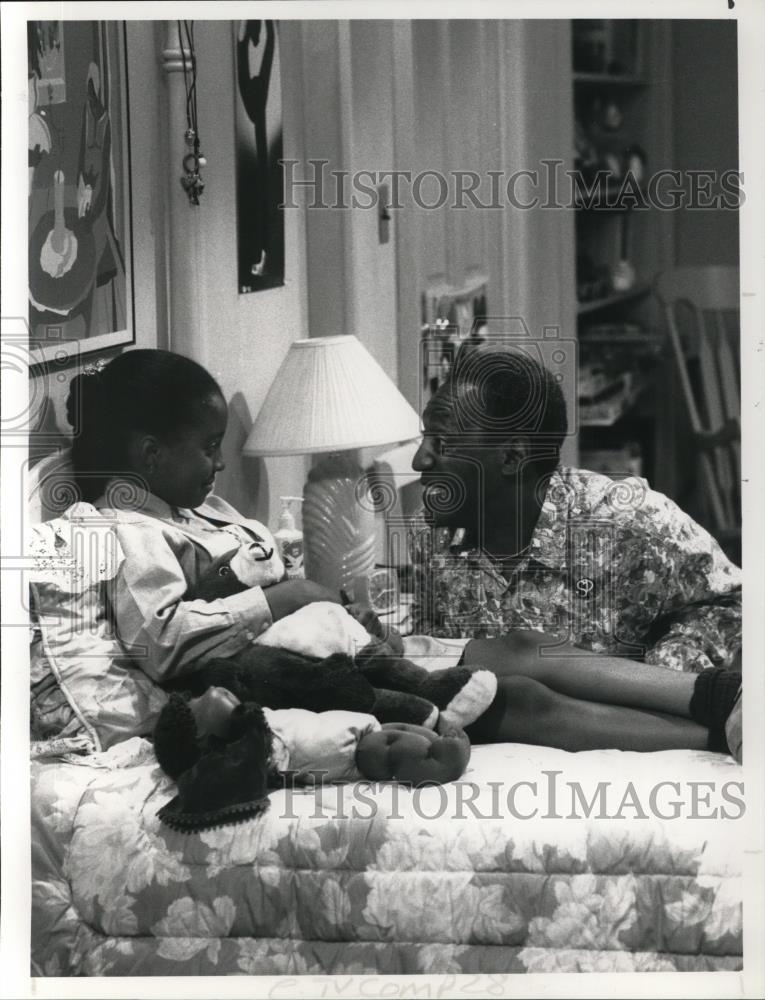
536	861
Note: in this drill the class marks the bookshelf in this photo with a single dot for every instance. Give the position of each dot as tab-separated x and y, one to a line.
616	298
621	104
608	79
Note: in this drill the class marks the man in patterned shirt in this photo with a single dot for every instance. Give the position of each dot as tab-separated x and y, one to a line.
604	572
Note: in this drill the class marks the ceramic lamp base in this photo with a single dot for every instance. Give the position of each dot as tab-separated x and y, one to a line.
338	524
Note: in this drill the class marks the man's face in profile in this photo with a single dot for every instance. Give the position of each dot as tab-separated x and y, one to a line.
456	465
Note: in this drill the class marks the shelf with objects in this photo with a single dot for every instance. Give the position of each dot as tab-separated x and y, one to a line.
608	51
451	316
608	79
621	126
615	298
619	368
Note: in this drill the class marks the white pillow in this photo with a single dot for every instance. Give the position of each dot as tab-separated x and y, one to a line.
76	652
49	486
319	629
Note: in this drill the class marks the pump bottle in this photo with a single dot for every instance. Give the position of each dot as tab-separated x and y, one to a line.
289	540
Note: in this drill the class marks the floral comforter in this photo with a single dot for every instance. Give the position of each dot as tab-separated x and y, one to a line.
504	871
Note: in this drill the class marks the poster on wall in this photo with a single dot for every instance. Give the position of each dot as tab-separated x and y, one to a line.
258	138
80	238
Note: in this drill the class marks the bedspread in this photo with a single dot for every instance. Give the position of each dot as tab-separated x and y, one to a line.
504	871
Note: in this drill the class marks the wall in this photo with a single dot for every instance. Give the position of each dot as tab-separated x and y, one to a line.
243	338
705	113
349	122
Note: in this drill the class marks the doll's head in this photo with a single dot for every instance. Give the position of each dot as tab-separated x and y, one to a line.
189	727
218	751
150	415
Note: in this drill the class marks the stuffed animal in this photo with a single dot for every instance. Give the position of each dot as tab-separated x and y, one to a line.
225	755
321	657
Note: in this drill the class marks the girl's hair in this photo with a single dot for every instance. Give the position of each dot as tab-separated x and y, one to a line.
142	391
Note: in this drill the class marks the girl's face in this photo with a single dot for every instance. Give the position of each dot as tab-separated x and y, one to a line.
182	469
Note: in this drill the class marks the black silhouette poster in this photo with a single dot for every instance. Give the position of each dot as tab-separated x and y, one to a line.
259	178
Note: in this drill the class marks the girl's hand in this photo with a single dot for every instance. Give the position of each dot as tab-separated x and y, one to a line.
291	595
364	614
366	617
361	610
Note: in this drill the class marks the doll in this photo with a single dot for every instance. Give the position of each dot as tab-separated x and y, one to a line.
225	755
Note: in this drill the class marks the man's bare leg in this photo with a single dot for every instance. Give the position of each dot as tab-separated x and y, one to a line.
590	677
525	711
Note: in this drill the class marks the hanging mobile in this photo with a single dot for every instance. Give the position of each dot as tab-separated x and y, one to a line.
194	160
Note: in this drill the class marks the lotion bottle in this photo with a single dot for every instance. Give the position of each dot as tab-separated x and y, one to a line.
289	540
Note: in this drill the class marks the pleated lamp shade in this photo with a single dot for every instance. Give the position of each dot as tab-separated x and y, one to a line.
330	395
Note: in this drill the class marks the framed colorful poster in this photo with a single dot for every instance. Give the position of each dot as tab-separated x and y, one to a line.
80	230
259	175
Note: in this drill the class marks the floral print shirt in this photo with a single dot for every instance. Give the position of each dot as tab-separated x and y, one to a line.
612	567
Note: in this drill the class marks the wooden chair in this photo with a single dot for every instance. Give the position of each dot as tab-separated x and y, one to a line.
701	307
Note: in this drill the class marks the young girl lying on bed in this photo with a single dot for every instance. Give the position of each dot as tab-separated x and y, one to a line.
149	429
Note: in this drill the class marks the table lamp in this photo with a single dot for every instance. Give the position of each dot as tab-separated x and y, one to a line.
331	396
